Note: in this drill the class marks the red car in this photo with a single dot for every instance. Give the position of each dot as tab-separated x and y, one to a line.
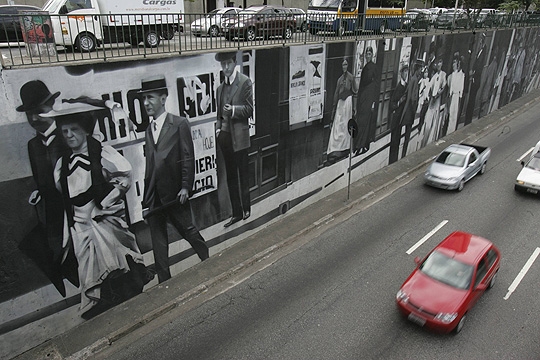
448	282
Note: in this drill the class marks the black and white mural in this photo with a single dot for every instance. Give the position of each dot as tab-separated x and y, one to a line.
118	176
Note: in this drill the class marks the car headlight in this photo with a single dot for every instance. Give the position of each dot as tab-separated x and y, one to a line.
446	318
520	182
402	296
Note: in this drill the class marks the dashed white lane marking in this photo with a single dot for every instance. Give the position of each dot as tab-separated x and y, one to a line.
522	273
427	236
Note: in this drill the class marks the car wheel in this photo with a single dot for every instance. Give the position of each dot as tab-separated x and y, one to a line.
250	34
86	42
287	34
461	185
151	39
428	28
213	31
483	168
459	326
168	33
303	27
492	282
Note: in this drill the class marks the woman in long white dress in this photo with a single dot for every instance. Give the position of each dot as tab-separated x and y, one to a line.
93	180
456	83
340	140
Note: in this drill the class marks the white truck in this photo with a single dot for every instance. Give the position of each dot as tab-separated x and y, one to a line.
85	24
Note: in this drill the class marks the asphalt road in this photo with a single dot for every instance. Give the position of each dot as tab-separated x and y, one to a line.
331	296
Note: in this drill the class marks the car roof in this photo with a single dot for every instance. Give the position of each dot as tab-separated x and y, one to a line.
12	9
464	247
458	149
225	9
423	11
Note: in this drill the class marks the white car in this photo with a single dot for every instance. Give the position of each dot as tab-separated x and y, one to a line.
212	23
528	179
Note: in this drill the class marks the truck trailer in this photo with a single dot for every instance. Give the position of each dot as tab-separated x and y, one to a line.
85	24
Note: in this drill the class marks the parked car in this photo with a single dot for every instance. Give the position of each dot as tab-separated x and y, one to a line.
301	19
528	179
261	21
10	26
452	20
212	23
456	165
435	12
447	283
416	19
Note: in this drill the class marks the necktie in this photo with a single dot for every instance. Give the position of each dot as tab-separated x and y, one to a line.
154	130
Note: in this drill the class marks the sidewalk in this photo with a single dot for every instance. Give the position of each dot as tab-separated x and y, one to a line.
97	333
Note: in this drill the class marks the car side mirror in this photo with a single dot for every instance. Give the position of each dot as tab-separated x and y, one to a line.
417	260
481	287
63	10
522	163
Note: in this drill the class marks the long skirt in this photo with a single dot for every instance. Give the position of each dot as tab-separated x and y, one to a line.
340	140
101	245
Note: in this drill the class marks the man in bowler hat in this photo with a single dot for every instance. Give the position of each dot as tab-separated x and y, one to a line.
169	177
44	243
234	108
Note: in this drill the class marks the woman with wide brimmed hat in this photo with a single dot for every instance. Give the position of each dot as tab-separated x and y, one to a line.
93	180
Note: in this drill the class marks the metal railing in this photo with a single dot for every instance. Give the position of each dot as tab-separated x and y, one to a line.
53	39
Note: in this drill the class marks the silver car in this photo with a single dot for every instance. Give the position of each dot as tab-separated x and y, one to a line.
456	165
212	23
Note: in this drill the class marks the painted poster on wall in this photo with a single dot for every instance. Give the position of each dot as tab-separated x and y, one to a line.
306	92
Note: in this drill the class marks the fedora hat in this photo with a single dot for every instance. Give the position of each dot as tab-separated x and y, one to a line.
80	113
222	56
153	84
34	94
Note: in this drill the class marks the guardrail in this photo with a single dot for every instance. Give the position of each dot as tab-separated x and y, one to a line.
52	39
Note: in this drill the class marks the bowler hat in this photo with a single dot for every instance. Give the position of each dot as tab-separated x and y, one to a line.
153	84
222	56
34	94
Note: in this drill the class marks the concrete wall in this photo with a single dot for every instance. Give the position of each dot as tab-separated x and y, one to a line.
298	145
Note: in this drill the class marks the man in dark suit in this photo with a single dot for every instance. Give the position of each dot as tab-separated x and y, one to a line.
168	181
411	104
44	244
234	108
475	74
397	105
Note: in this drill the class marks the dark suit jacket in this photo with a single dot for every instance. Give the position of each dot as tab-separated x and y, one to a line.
242	100
43	160
397	104
170	164
409	111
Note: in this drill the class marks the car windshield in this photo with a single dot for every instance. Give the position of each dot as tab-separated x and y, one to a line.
533	164
452	159
212	13
447	270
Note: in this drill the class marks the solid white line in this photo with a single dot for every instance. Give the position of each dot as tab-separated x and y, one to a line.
522	273
428	235
525	155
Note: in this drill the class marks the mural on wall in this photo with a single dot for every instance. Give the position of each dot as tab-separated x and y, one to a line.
112	176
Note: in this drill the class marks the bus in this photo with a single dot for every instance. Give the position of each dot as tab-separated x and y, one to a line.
354	16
